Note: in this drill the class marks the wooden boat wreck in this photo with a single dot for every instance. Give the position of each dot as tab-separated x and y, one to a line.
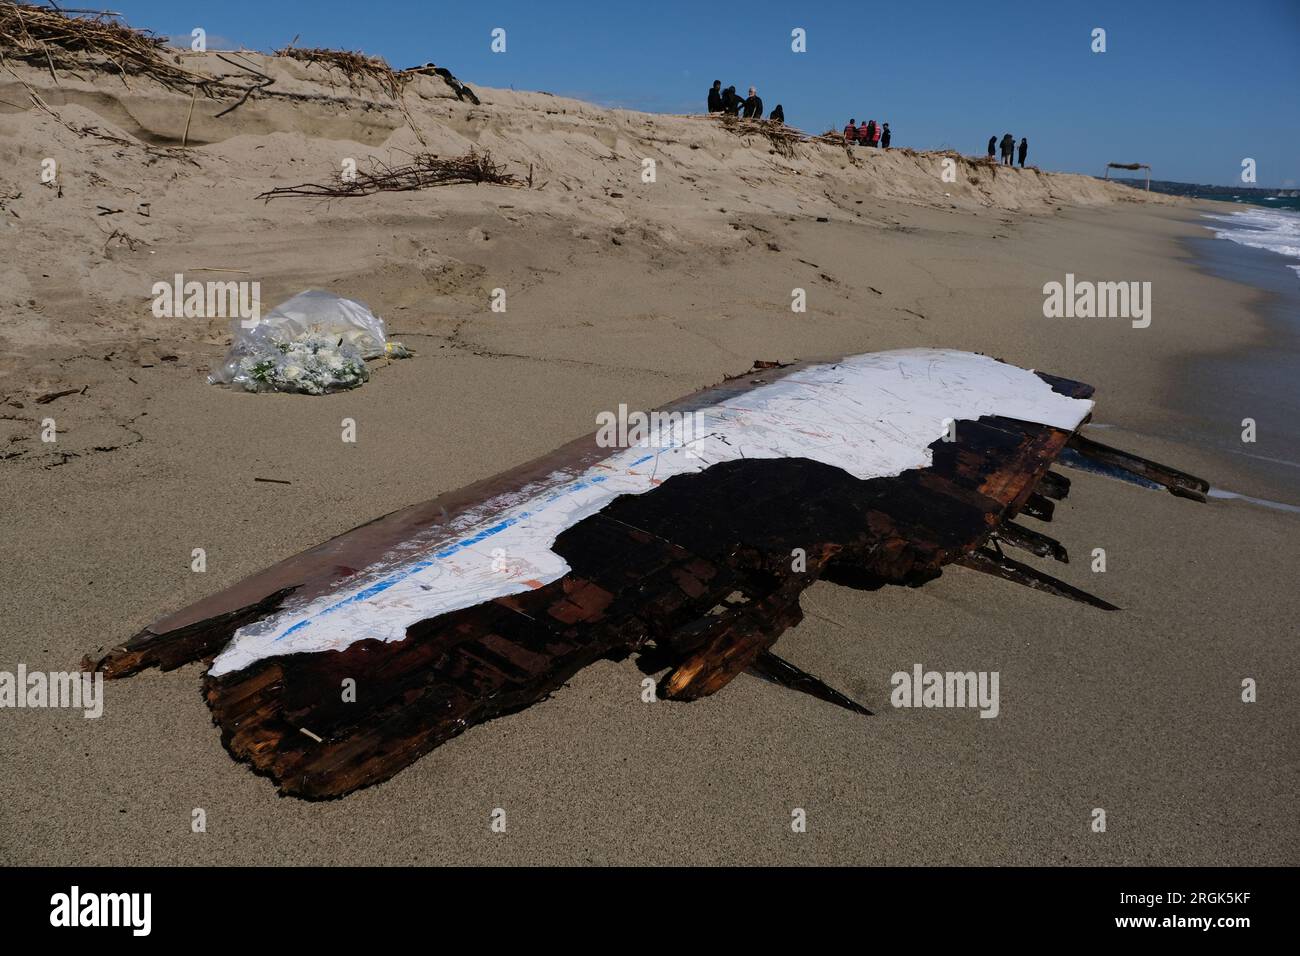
689	547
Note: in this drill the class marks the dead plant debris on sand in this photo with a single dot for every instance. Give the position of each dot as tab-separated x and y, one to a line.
353	65
781	136
57	39
422	172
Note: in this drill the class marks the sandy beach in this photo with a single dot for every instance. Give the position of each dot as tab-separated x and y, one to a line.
618	291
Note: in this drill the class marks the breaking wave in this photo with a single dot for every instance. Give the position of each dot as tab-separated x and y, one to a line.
1277	230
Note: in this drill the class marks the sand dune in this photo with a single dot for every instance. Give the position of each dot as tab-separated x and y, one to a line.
585	163
130	208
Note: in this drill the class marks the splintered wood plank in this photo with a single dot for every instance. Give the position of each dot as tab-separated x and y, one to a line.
998	565
1035	542
167	650
1179	483
784	674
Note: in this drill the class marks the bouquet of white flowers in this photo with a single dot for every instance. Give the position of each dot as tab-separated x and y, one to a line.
313	343
314	363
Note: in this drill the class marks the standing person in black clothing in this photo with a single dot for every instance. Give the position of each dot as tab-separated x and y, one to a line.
1024	148
753	105
1008	148
993	146
715	97
778	115
884	136
870	136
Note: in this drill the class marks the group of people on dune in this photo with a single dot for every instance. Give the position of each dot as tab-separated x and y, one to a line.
733	104
868	134
1008	147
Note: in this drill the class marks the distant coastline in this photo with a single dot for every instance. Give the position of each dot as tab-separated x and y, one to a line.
1251	195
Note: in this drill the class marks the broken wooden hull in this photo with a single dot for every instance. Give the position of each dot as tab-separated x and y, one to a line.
700	572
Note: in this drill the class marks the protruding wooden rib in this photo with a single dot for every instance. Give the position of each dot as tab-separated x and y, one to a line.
1036	506
1179	483
1034	542
711	669
1052	485
734	642
777	670
1000	566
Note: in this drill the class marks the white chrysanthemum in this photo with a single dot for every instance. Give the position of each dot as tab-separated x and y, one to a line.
313	363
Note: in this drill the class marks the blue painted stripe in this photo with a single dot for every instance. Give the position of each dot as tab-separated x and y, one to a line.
380	586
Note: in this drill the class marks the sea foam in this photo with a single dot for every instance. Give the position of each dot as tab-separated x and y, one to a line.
1277	230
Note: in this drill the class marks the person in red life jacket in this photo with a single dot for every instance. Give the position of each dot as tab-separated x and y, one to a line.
875	135
884	136
869	133
851	133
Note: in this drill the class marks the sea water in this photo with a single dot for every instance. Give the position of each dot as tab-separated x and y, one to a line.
1272	225
1257	245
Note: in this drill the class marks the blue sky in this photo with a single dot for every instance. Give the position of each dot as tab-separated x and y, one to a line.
1191	87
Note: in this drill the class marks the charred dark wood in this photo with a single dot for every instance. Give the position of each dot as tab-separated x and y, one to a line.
1066	386
1054	486
1179	483
1036	506
183	645
1034	542
781	672
998	565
